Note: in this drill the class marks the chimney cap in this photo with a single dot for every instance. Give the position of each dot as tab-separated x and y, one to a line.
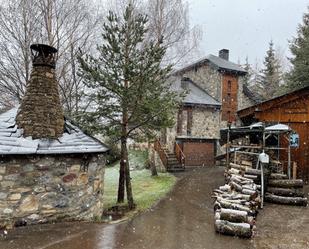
43	55
43	48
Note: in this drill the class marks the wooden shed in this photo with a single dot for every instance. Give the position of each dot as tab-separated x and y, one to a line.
291	109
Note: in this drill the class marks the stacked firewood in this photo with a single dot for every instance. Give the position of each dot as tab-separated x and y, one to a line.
236	203
282	190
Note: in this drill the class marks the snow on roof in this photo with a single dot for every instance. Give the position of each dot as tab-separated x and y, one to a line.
73	140
278	127
195	95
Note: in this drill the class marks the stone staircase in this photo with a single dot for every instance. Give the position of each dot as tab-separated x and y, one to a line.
173	165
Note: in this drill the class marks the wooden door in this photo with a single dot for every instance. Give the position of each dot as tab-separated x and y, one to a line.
199	153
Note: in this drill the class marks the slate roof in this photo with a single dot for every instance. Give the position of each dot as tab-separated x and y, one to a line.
255	97
74	140
225	64
196	95
217	62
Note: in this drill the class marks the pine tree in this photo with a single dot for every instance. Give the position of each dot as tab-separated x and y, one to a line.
271	74
248	76
129	86
299	75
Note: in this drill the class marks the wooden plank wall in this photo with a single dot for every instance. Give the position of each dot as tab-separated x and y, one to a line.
294	113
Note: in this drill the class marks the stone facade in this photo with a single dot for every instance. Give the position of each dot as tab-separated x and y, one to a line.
40	113
205	123
244	101
207	78
37	189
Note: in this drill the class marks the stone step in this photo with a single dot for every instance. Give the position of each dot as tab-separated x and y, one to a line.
176	169
175	164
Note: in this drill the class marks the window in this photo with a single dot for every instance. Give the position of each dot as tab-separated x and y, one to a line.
189	122
229	86
179	122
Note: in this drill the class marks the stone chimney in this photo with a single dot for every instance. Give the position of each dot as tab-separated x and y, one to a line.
40	114
224	54
185	83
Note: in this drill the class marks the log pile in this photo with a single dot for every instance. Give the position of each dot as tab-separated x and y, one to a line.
282	190
236	203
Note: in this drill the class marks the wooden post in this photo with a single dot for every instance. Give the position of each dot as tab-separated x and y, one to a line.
294	170
228	147
262	185
289	157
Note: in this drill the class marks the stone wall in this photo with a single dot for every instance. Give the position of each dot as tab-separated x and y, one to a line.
244	101
207	78
206	123
37	189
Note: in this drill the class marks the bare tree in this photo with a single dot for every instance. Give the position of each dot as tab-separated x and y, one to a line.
169	25
68	25
18	25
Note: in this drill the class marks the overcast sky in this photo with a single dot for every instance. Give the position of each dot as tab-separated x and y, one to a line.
245	27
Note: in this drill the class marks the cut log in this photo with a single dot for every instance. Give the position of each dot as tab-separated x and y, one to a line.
234	171
233	215
246	163
278	176
237	166
235	197
289	192
252	193
252	177
241	178
286	183
225	188
249	186
226	204
296	201
236	179
234	229
235	186
256	172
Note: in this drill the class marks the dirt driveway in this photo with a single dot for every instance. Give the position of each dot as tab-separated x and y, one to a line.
184	220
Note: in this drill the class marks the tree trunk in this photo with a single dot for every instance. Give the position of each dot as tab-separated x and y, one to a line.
122	170
154	171
153	168
131	203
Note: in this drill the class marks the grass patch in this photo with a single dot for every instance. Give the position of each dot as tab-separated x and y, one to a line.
147	190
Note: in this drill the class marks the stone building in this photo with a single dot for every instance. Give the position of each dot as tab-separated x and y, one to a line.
49	168
222	93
